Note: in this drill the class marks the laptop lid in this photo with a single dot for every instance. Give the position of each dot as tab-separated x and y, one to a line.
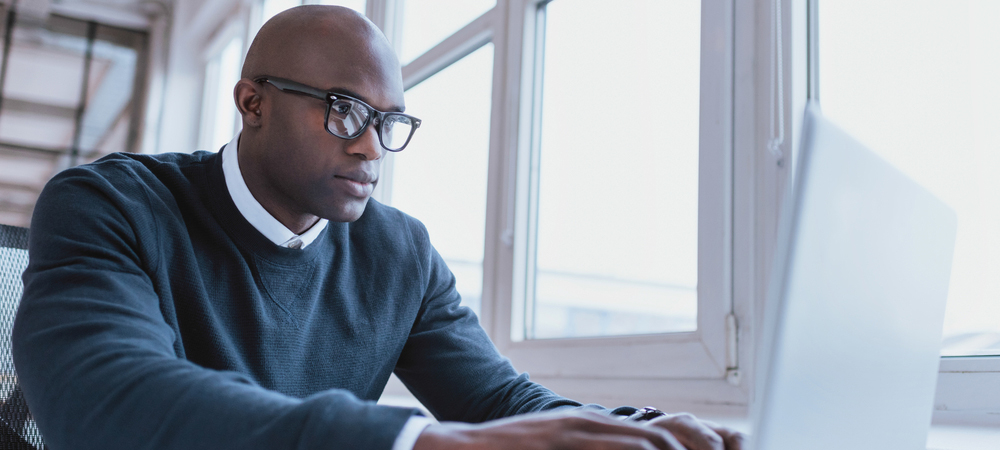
853	322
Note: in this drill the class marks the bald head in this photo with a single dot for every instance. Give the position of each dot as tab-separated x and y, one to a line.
293	165
323	43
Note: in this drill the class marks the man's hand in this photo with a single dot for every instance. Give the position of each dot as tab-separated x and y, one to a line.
548	431
700	434
576	431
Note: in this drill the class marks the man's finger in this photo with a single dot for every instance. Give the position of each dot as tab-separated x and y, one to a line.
735	440
582	440
597	424
693	433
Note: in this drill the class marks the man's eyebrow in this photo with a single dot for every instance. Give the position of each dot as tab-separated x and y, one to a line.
350	93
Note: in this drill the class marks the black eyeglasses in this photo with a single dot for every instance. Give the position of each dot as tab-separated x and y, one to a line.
348	117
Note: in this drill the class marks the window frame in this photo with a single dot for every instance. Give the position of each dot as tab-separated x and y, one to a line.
210	83
619	369
626	357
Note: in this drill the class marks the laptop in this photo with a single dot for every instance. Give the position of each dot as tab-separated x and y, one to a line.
852	326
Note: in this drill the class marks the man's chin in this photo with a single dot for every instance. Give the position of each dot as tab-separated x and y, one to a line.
346	212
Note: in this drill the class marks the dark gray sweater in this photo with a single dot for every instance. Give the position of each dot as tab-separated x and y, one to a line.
155	316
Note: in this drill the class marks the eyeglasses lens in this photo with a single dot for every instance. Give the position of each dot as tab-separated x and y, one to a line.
395	131
346	118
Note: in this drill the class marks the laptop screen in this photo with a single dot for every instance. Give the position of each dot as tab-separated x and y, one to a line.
853	322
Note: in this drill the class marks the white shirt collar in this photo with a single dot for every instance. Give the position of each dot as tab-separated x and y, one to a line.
251	209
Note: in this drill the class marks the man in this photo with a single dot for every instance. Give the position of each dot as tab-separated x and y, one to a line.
255	298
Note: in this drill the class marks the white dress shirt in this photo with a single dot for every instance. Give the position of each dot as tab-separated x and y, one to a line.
278	233
251	209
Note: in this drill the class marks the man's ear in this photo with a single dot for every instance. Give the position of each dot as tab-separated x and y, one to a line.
247	95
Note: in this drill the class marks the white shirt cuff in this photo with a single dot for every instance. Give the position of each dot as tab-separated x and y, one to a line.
411	432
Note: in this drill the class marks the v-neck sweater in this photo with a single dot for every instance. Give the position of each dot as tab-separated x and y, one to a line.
154	316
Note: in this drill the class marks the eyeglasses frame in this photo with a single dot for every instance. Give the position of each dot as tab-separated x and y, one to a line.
294	87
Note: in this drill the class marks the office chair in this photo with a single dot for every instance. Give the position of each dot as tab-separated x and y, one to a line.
17	429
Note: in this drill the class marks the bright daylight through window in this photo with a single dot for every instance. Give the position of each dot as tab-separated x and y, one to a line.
440	178
917	82
218	109
427	22
616	243
72	92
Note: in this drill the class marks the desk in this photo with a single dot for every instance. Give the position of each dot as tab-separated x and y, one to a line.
941	437
963	437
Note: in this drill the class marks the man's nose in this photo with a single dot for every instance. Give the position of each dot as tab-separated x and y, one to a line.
366	146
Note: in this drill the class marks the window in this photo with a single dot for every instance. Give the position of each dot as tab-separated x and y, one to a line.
71	93
916	81
441	177
687	178
646	298
921	90
427	22
616	204
219	117
564	282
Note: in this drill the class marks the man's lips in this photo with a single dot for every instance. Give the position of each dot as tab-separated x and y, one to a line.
358	183
358	176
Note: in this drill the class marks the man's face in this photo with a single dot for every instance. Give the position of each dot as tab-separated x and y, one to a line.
312	171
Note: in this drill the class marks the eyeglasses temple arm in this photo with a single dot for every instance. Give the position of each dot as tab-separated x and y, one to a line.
298	88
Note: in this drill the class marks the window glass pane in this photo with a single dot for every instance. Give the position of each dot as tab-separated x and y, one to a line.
617	227
219	108
428	22
41	98
440	178
41	92
107	119
229	73
917	82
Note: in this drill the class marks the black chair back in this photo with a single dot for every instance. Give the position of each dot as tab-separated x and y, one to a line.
17	429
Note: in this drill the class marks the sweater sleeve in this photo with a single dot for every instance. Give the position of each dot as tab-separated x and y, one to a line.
450	364
96	361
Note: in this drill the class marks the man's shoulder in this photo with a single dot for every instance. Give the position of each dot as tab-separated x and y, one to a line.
378	215
127	182
390	227
378	211
117	162
127	171
394	237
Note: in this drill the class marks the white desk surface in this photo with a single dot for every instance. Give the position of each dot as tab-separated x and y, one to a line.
941	437
961	437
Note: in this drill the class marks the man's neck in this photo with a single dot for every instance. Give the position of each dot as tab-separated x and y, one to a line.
269	196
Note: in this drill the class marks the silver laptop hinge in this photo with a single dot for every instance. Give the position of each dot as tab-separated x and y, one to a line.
732	355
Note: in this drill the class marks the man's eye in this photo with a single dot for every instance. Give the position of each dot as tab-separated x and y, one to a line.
342	108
